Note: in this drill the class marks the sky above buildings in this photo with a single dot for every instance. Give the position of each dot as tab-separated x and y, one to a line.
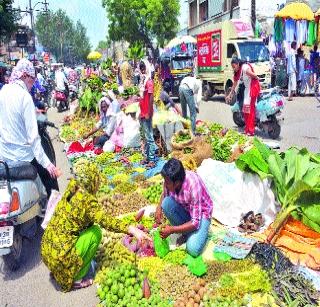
90	12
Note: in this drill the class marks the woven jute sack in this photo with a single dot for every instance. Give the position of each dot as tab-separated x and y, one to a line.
201	150
181	145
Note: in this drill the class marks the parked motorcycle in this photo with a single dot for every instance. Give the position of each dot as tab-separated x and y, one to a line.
268	111
23	201
49	86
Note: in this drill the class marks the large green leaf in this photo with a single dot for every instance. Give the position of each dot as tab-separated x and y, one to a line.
277	168
264	150
290	158
312	177
295	192
316	158
253	161
302	164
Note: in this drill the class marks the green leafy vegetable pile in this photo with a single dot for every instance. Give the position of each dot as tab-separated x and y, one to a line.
296	181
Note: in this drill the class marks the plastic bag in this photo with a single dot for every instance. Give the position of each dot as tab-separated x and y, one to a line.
161	246
109	146
131	133
249	192
196	265
54	199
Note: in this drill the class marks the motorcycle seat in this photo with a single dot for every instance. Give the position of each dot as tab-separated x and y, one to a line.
19	171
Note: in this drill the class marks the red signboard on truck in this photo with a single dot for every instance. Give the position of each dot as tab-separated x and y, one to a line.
209	51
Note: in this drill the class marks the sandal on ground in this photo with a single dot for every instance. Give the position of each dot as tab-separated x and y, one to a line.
150	165
84	283
144	162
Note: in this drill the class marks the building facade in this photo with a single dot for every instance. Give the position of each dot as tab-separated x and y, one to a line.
204	12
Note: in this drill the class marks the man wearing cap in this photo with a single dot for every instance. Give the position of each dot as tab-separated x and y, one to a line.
19	137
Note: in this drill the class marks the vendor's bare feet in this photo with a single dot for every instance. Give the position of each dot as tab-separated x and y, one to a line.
84	283
181	240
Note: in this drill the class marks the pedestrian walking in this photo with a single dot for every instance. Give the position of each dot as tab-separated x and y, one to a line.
301	64
314	63
189	88
292	71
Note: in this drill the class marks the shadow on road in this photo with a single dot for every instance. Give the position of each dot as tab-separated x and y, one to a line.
220	98
259	133
30	258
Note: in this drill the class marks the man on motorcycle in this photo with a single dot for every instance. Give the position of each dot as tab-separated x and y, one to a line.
19	136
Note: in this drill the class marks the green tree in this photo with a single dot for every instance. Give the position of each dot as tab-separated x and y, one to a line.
57	33
81	43
142	20
136	51
8	19
102	45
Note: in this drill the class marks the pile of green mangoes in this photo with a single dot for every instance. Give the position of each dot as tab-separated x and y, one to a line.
153	193
124	286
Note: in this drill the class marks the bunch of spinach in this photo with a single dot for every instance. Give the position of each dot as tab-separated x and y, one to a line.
89	100
296	180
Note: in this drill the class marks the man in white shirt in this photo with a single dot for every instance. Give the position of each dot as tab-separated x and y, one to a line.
292	70
40	77
189	88
19	137
60	80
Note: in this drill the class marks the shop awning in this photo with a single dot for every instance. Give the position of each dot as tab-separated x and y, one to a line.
297	11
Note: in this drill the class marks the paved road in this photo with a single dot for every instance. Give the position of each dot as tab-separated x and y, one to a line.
301	124
31	285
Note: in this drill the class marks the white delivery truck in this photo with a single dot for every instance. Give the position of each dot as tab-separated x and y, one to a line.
215	49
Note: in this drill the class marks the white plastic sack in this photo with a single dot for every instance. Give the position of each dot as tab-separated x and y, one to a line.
235	193
108	146
73	107
54	199
131	132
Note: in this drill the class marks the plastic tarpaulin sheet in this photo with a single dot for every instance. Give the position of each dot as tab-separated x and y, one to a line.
235	193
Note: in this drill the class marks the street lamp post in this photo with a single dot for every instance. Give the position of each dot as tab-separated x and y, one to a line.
30	11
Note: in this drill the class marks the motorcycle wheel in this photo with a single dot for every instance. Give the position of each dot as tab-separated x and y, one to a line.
274	130
207	93
13	260
238	119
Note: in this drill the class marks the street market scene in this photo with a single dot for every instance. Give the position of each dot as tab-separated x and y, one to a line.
159	153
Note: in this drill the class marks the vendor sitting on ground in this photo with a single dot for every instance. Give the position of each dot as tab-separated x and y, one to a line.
72	237
186	204
107	121
167	100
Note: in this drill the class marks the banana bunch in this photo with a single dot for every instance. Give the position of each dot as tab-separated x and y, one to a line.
189	163
157	89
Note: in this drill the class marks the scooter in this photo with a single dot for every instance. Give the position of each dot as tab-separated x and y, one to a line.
23	201
62	101
268	112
